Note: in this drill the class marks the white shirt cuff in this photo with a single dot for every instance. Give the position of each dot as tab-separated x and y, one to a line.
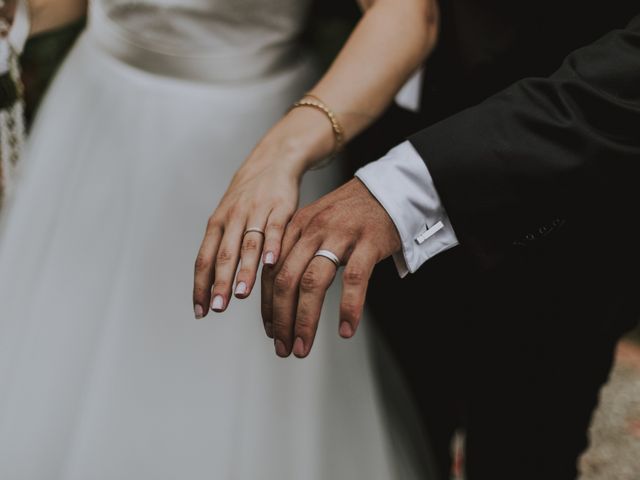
402	184
410	95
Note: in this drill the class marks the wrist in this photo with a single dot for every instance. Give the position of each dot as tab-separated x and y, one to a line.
306	137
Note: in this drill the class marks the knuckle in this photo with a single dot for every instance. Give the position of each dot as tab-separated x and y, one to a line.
323	218
203	263
298	215
314	228
282	282
354	276
214	222
323	221
327	214
224	256
234	211
278	198
309	282
220	285
299	219
254	203
304	322
276	228
250	245
281	329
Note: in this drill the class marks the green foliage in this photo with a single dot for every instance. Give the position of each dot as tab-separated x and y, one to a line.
40	60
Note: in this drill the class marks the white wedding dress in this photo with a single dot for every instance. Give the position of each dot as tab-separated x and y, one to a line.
104	373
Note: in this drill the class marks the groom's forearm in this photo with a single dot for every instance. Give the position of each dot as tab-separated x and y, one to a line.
513	169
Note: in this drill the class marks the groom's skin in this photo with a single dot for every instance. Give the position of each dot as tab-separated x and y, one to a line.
348	222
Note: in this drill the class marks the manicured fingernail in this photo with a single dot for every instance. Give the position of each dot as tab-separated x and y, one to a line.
268	327
269	258
281	350
199	311
218	303
298	347
241	288
345	330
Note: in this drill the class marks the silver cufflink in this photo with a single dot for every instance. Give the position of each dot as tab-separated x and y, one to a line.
429	232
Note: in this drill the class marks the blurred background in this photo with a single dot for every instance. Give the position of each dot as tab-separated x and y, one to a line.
615	430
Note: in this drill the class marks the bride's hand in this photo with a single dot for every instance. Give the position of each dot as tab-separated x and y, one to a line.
250	220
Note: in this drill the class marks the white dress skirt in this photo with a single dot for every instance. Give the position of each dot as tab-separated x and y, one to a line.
104	373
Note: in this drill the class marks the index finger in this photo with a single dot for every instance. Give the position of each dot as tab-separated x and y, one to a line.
205	269
269	272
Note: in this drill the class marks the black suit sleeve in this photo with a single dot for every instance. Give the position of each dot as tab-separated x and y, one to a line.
545	152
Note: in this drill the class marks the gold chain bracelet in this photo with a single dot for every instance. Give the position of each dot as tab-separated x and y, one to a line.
318	104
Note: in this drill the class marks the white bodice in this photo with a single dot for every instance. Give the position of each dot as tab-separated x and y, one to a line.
195	27
204	40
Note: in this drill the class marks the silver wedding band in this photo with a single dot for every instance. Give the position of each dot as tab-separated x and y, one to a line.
253	230
328	255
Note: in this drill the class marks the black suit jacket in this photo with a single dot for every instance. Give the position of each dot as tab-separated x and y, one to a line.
548	152
532	112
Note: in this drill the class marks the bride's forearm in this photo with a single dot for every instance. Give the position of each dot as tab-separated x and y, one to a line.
390	42
51	14
388	45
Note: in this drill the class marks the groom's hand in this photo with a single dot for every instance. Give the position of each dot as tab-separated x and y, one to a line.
351	224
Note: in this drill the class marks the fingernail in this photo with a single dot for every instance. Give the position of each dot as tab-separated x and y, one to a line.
345	330
241	288
281	350
218	303
199	311
268	327
269	258
298	347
